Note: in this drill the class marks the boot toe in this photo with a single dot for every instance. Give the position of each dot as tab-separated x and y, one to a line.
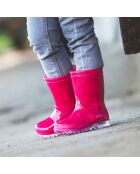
45	127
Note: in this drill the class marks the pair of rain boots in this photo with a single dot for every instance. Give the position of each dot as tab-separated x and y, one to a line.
79	104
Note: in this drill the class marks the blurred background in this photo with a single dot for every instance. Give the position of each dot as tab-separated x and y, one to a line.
13	40
24	98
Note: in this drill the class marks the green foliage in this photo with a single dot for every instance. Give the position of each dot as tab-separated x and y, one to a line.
5	42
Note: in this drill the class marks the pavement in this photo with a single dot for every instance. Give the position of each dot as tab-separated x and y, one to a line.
25	99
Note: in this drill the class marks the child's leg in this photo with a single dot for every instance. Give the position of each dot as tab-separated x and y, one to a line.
44	36
90	111
82	42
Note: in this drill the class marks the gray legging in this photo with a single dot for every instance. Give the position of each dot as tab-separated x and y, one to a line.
44	34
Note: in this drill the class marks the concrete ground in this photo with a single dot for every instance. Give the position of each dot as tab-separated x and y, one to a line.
24	100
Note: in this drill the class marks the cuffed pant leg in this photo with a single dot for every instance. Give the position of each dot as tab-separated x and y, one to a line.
44	37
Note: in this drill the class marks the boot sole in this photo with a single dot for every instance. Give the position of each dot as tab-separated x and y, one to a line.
100	125
96	126
48	136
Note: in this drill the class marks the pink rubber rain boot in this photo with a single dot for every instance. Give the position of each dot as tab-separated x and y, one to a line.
90	111
64	100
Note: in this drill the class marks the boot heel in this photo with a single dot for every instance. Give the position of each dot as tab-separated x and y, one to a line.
101	125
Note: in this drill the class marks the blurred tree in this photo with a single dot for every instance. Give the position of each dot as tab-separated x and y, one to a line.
15	27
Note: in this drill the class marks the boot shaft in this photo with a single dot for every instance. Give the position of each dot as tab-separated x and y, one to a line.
88	86
62	92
